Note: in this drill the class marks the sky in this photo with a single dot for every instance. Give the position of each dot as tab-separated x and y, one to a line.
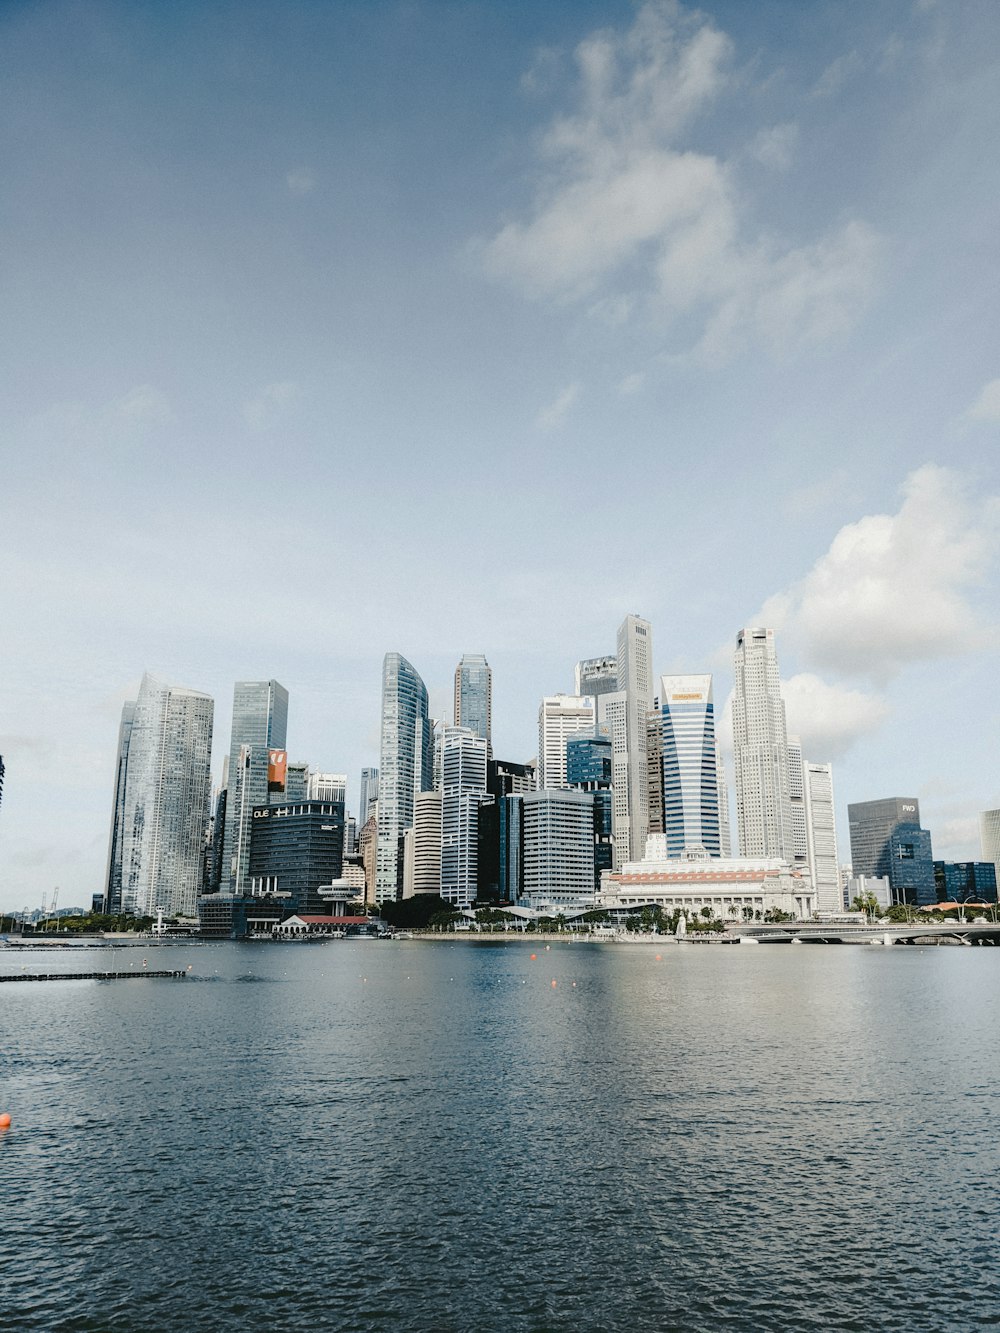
338	328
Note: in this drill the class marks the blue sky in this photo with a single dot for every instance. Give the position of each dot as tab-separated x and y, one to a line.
338	328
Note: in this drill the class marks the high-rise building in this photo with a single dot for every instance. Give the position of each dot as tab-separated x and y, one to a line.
260	723
684	742
635	680
166	800
886	839
427	842
989	838
367	850
328	786
296	848
559	717
797	801
965	881
589	767
113	877
612	721
596	676
558	848
368	796
474	697
821	837
296	784
2	771
463	767
406	764
760	746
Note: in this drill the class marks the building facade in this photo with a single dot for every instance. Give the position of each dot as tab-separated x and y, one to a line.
887	839
635	680
558	841
260	724
821	837
596	676
113	876
405	767
560	716
463	773
296	848
685	745
989	838
167	791
474	697
760	749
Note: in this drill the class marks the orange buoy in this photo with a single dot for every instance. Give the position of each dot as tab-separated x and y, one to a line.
553	983
4	1121
534	957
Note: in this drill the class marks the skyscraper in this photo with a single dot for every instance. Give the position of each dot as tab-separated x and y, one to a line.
406	764
886	839
260	723
989	838
167	788
596	676
635	680
113	876
797	801
559	717
463	772
368	796
558	841
474	697
760	746
690	817
821	837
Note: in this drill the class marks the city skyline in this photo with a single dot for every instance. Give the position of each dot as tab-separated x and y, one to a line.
502	266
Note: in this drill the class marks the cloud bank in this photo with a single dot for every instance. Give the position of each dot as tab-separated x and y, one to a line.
629	219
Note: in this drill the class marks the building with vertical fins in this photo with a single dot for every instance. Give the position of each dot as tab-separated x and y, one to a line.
474	697
463	777
167	789
260	724
406	766
559	717
368	795
989	838
760	750
635	681
797	801
685	746
821	837
113	876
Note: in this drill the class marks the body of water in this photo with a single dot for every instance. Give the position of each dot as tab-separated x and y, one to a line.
455	1136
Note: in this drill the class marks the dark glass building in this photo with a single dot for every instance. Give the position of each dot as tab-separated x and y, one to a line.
886	839
966	881
589	767
294	849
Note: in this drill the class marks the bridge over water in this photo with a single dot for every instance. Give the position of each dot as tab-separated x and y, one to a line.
828	932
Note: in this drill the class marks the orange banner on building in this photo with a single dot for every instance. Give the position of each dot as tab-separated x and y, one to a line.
277	763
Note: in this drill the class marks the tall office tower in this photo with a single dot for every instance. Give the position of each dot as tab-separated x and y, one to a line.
427	842
797	801
113	876
328	786
559	717
474	697
296	784
725	838
821	837
635	680
505	778
558	848
296	848
213	880
463	765
760	745
689	757
612	721
368	796
654	767
166	800
596	676
367	850
589	766
406	764
989	838
260	723
886	839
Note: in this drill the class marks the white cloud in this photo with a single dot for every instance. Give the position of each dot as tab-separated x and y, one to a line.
775	147
837	73
300	181
629	219
895	588
987	405
551	417
829	718
263	411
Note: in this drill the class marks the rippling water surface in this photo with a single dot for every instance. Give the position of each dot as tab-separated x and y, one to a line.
434	1136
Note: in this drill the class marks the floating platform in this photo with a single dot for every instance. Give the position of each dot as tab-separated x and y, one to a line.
90	976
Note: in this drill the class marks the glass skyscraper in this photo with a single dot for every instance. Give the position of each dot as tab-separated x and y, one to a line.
474	697
406	765
113	879
689	760
260	723
166	792
886	839
760	749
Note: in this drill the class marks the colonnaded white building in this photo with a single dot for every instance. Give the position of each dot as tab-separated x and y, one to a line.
726	884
